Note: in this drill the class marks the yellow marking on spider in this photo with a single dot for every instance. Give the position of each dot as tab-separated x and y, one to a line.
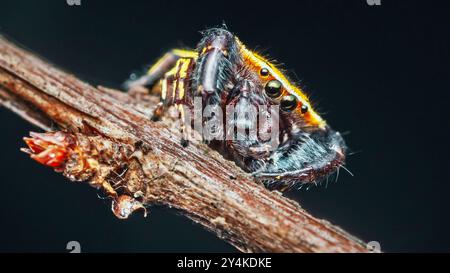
206	48
164	89
181	90
182	77
184	67
174	89
174	53
185	53
157	65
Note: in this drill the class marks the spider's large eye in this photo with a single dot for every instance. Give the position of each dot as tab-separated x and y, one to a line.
304	109
264	72
273	88
288	103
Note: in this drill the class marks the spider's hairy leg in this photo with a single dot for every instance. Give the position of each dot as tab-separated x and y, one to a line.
175	87
159	68
169	78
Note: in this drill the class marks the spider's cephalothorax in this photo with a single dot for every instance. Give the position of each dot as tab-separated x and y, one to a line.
223	72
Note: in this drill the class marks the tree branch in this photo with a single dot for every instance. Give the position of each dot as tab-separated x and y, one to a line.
150	165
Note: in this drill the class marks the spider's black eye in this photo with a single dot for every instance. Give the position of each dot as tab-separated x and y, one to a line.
304	109
273	88
264	72
288	103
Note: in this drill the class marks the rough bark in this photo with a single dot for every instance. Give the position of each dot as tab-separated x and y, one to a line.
113	130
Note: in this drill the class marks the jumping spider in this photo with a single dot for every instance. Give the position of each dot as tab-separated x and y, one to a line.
223	72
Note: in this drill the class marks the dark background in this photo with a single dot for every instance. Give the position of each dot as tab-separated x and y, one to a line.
378	72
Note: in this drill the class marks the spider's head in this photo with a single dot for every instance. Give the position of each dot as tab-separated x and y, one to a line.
309	150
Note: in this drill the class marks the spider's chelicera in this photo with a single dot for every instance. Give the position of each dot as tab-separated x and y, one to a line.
223	74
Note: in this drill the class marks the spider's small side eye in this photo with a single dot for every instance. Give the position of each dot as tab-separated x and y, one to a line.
264	72
304	109
288	103
273	88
